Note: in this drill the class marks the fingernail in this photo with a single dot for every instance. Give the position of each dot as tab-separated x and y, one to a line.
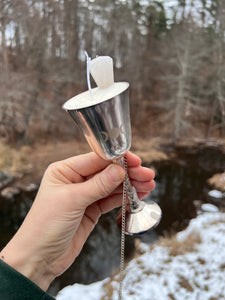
116	173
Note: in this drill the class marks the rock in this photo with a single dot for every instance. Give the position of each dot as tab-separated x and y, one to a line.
5	179
215	194
197	203
218	181
9	192
207	207
29	188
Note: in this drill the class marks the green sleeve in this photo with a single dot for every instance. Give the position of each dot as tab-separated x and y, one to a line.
15	286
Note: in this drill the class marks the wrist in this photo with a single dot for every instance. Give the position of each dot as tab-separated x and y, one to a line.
27	264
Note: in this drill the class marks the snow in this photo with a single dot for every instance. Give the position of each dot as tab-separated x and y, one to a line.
209	207
191	267
92	291
215	194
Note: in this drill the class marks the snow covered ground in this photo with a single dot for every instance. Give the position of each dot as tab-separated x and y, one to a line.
190	266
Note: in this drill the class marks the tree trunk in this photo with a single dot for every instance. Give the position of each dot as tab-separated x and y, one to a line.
4	50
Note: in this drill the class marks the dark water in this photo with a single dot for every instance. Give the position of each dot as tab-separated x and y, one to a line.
12	214
179	183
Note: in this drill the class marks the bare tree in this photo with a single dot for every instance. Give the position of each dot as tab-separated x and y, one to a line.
5	6
176	68
220	65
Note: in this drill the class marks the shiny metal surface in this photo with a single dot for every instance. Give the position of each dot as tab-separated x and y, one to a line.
140	216
143	220
106	126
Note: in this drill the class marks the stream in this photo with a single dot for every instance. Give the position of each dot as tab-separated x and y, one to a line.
180	189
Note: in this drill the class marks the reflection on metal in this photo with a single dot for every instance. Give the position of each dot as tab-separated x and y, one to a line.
140	216
143	220
113	133
106	126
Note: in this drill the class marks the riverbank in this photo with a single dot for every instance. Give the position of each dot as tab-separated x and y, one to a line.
190	265
182	171
26	164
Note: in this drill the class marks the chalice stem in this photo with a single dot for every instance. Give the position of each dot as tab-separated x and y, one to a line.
135	204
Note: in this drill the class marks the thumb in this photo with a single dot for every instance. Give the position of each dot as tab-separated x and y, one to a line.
102	184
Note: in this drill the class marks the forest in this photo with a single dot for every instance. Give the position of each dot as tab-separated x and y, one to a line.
171	52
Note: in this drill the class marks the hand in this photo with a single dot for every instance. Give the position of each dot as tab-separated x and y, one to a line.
72	196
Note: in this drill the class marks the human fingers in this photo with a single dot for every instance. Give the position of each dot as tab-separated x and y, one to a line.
140	186
75	169
115	201
90	163
99	186
107	204
92	214
141	173
143	186
133	160
141	178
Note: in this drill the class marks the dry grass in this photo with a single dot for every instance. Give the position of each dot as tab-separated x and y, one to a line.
201	261
179	248
140	264
184	283
171	296
14	160
131	293
219	221
218	181
31	161
108	288
148	149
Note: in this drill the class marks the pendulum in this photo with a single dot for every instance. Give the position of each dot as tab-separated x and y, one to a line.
102	114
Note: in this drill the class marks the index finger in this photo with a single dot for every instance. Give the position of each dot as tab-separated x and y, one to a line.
90	163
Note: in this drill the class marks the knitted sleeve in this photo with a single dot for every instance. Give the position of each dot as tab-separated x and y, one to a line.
15	286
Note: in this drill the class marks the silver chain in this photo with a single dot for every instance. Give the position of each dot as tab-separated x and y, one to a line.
123	223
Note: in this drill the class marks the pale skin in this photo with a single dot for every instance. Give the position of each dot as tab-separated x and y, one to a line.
72	196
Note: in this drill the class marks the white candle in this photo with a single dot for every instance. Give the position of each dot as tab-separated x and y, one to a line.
101	69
